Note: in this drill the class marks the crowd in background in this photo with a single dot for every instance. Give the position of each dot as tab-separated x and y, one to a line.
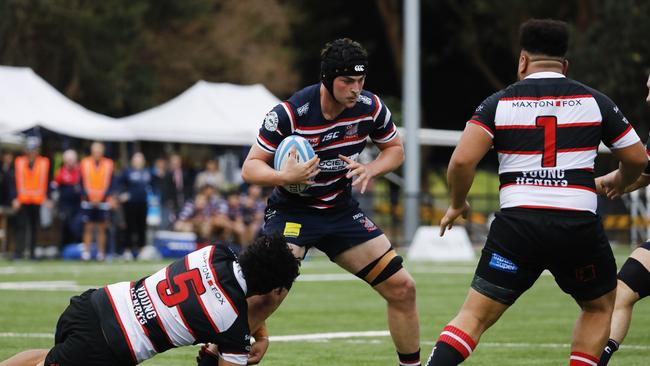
91	198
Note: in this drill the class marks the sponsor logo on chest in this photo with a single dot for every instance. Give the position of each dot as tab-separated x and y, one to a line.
546	103
207	274
335	165
331	136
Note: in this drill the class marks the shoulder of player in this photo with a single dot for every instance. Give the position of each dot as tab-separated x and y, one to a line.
599	96
303	96
297	105
492	100
369	103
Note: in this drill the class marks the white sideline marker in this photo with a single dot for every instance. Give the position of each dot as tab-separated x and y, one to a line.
428	245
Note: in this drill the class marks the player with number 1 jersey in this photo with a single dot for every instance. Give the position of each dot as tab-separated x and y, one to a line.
546	129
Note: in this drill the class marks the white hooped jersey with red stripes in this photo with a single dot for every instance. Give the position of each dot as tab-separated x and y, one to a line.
546	130
198	299
346	135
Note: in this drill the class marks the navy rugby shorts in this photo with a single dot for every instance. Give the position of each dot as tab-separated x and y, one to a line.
522	243
332	231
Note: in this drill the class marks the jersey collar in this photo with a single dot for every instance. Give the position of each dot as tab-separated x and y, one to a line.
545	75
239	275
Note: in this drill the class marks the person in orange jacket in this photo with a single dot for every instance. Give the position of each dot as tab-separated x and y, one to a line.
31	172
96	200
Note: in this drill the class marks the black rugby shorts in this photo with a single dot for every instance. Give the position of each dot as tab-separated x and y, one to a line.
522	243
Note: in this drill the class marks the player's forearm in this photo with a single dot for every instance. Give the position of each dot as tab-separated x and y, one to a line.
255	171
261	332
630	173
459	179
388	160
641	182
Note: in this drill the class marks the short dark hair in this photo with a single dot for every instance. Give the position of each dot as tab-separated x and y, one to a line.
343	50
544	37
268	264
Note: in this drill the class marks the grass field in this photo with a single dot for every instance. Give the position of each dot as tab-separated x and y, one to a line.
535	331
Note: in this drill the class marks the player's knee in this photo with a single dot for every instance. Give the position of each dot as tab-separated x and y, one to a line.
636	277
400	289
604	304
381	268
625	296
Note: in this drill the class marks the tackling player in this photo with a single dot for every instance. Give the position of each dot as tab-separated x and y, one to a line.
336	116
200	298
546	129
634	276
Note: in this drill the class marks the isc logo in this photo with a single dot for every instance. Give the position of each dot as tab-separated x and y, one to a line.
330	136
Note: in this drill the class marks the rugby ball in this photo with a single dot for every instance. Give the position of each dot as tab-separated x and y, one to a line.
304	152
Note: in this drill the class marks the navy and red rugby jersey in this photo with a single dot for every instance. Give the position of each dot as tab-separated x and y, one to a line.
546	130
200	298
346	135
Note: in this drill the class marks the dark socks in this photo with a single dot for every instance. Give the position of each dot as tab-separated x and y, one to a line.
610	348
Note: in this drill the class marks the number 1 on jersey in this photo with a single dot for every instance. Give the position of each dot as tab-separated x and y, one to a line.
549	123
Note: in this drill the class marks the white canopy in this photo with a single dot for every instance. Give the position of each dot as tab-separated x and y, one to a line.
208	113
26	101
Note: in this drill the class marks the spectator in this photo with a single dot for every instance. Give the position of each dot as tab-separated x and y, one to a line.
6	178
206	216
96	201
67	183
158	172
211	176
28	194
236	217
6	181
135	185
177	187
253	206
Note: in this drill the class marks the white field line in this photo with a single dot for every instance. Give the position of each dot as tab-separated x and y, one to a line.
351	337
44	286
75	268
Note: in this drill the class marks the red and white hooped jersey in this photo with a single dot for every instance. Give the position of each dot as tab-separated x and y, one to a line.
546	130
198	299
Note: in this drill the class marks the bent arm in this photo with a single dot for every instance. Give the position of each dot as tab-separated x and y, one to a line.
633	160
390	157
257	169
642	181
472	147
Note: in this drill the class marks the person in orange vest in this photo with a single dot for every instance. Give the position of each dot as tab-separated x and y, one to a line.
31	173
96	204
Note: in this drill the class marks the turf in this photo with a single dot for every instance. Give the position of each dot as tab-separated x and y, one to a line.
535	331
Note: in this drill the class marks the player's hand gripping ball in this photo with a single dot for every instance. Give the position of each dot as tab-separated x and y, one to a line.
303	153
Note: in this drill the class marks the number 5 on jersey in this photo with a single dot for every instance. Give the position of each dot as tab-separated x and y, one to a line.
172	297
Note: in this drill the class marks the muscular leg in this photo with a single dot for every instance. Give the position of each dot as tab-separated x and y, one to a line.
622	316
398	291
459	338
477	314
625	300
27	358
592	328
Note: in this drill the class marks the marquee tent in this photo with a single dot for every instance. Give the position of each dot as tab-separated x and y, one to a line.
208	113
26	101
